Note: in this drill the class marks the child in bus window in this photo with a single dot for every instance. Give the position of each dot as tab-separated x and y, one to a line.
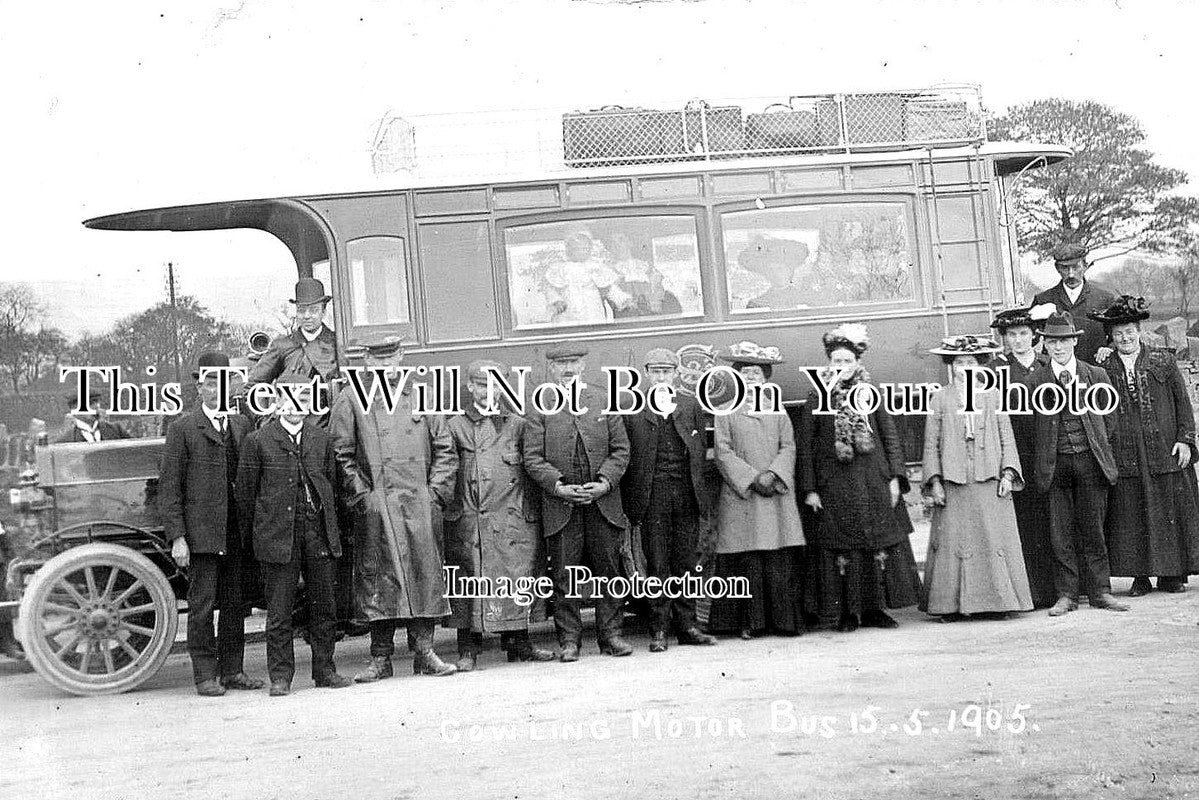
579	289
779	262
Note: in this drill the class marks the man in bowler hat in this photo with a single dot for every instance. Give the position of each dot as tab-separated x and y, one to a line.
1075	465
197	504
578	461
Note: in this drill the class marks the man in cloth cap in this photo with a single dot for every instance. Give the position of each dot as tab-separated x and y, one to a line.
1074	293
398	470
310	349
491	528
197	504
669	490
578	461
288	511
1074	464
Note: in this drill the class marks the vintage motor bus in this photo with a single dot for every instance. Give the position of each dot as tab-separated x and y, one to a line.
690	229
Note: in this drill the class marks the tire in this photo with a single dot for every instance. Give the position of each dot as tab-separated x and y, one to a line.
98	619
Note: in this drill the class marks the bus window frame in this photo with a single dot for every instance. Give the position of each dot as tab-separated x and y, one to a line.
426	332
920	275
409	332
697	212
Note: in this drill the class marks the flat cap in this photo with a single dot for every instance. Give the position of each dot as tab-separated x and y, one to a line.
475	369
383	345
661	357
561	352
1069	251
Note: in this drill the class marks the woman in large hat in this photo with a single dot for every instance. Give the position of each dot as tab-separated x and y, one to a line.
1020	331
1152	524
974	563
758	531
852	477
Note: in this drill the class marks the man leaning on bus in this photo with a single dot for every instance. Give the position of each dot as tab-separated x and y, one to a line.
578	462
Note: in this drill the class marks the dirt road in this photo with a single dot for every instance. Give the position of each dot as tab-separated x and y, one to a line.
1092	705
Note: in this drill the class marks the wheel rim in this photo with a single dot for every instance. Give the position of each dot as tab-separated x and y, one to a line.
101	623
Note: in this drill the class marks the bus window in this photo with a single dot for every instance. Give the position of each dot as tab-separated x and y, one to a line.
603	270
809	256
378	280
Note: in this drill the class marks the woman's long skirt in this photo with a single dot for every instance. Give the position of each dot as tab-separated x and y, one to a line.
775	579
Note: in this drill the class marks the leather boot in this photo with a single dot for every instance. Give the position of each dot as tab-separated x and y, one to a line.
377	669
1063	606
570	652
469	646
614	645
426	662
1173	585
1107	602
657	642
697	637
1141	586
520	648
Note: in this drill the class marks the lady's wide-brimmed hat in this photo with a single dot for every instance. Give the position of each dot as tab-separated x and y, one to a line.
1126	309
1033	317
764	251
850	336
751	353
966	346
1060	325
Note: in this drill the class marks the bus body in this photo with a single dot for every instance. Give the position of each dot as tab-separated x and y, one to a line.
911	241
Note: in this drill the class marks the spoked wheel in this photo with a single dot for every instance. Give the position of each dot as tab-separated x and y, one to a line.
98	619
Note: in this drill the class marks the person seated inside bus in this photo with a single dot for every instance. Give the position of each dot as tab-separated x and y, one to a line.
91	426
642	280
779	261
582	289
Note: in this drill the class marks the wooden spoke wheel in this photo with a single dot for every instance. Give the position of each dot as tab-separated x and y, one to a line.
98	619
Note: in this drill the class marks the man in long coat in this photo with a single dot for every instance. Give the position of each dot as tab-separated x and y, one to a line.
578	461
670	491
198	507
1074	464
399	472
491	529
1074	293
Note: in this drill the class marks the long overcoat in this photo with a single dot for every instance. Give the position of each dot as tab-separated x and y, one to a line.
492	525
399	470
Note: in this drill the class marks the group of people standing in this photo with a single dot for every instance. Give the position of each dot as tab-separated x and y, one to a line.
1028	510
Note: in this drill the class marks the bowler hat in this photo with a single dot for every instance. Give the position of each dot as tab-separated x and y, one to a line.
567	350
1060	325
309	291
212	358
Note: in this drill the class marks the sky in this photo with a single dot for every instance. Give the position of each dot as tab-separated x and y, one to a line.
118	106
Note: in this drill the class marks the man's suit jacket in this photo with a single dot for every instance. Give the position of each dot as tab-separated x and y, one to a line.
690	422
549	451
294	353
108	431
268	486
1093	297
1098	428
193	487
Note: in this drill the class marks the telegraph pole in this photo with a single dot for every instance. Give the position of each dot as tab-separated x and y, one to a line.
174	321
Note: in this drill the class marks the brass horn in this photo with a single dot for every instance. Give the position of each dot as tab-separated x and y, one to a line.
259	342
